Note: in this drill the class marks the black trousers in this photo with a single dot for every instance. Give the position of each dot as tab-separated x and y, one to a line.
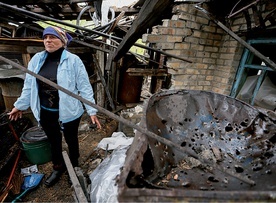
53	129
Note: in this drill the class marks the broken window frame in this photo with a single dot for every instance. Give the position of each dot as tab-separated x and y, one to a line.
247	63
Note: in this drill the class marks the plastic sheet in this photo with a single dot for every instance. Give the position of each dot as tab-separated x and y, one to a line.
117	139
266	97
103	183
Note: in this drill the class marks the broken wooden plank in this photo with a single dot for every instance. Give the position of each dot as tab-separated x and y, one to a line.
99	72
75	181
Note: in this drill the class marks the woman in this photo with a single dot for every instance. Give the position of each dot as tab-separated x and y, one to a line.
52	108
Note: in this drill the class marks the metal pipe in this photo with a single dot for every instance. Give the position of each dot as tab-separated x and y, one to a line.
246	7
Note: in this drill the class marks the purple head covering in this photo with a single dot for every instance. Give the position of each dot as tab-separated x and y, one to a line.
59	33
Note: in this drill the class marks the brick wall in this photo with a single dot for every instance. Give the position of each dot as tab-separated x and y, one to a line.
190	34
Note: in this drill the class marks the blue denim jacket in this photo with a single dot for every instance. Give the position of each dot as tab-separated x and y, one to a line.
71	75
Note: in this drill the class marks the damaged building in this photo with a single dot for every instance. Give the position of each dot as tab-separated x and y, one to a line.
203	71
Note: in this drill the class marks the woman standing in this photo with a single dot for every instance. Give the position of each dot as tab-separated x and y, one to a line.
53	109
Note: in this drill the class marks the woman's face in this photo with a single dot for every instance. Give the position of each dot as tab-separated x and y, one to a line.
52	43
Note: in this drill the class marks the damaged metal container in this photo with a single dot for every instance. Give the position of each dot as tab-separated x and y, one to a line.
226	151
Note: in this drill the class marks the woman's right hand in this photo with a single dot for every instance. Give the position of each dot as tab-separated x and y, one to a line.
15	114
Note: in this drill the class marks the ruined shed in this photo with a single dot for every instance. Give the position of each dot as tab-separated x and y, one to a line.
219	46
212	45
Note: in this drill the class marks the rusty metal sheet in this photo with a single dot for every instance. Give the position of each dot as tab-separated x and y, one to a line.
221	131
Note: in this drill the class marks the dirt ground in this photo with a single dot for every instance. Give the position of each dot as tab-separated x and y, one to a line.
90	156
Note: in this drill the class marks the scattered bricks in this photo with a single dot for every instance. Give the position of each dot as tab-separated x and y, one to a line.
134	115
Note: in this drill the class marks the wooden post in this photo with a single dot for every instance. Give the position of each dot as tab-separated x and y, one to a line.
75	181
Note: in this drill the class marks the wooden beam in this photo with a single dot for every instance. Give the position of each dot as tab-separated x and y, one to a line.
99	72
148	15
75	181
12	49
146	72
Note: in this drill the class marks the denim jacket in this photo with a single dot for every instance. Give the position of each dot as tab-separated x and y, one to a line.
71	75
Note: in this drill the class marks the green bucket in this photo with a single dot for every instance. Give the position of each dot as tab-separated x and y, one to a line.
36	146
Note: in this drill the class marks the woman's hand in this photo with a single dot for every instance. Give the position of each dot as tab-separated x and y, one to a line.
95	120
15	114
